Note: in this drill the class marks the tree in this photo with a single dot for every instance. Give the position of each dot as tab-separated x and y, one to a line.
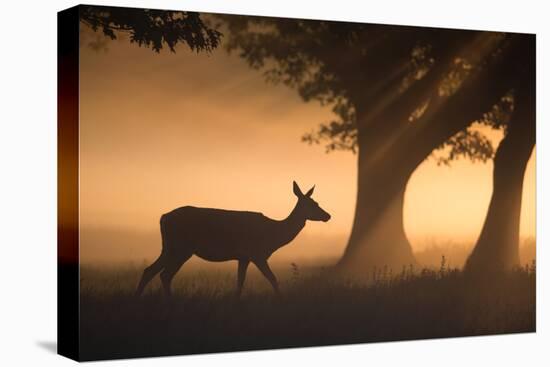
497	248
152	28
398	93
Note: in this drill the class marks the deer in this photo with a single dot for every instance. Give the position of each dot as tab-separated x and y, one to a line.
224	235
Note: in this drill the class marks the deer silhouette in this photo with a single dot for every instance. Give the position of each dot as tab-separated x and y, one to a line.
222	235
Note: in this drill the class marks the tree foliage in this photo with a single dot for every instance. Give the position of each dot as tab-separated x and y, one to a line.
154	29
468	143
352	65
473	144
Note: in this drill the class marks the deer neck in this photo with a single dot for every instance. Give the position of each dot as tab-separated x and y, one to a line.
290	226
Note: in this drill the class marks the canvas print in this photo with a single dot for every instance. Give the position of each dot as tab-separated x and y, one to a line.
235	182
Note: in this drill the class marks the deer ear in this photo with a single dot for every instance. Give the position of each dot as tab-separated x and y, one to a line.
310	192
296	189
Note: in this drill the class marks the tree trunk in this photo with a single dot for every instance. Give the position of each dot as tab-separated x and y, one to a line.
497	248
390	152
378	237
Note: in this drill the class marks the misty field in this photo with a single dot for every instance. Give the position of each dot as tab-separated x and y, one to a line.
316	308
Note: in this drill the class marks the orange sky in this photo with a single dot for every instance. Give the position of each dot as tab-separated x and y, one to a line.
164	130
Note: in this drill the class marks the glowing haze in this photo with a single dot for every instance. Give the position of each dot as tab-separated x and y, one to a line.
164	130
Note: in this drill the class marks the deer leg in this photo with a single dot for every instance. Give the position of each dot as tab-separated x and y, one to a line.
266	271
149	273
168	273
241	274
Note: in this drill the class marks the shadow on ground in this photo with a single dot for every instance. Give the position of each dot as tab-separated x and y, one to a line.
50	346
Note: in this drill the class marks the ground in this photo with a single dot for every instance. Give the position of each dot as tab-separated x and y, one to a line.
314	309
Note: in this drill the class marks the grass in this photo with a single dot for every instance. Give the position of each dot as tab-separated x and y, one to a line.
315	309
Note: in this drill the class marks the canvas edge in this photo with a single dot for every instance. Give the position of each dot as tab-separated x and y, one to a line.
68	336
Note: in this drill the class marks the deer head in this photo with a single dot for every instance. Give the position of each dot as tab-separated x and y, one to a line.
308	207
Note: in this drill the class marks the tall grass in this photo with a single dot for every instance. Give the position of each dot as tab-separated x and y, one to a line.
316	308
